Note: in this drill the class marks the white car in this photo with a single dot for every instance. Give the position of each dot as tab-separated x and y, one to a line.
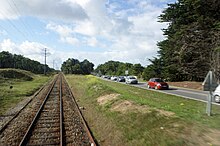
216	94
131	80
113	78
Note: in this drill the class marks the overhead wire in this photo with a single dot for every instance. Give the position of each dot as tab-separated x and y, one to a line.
26	25
13	25
24	31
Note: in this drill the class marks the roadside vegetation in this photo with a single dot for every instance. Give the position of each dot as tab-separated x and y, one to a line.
15	85
123	115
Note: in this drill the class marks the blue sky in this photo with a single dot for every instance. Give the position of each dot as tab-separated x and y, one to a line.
97	30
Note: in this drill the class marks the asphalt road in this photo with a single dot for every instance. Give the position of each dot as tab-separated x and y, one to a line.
182	92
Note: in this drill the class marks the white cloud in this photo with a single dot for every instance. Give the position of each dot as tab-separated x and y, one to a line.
32	50
8	45
65	33
63	30
92	42
53	9
131	27
70	40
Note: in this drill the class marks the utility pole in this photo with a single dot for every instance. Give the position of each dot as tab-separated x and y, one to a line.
53	64
45	61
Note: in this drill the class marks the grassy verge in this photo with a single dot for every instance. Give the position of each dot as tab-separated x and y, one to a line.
9	97
164	119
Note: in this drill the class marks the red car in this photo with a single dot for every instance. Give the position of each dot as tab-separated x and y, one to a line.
157	83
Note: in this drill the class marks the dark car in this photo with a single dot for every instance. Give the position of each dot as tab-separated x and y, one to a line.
121	79
157	83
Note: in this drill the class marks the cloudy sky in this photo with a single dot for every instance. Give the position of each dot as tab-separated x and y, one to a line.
97	30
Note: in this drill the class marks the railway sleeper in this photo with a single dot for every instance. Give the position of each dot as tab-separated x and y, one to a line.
45	137
44	144
47	121
46	118
48	125
46	131
49	115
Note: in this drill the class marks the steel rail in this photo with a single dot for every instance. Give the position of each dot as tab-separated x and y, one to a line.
25	138
61	114
81	116
18	112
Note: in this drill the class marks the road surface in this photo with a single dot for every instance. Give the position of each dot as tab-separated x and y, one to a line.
182	92
178	91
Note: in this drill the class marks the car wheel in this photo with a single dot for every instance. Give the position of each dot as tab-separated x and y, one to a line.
148	86
217	98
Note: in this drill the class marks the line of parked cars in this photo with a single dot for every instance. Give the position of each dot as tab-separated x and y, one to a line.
155	83
126	79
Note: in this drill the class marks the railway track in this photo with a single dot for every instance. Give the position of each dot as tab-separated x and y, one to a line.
57	120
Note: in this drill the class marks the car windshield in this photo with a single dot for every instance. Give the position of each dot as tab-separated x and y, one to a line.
132	77
159	80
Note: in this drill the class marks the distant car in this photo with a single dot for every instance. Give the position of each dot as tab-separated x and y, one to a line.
108	77
216	94
113	78
131	80
121	79
104	76
157	83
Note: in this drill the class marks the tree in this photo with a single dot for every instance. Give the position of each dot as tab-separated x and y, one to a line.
191	38
137	70
8	60
119	68
74	66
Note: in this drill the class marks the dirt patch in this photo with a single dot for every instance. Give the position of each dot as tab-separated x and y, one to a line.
128	106
107	98
187	84
202	136
213	137
165	113
125	106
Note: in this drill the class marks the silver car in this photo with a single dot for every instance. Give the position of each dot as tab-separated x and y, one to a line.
131	80
216	94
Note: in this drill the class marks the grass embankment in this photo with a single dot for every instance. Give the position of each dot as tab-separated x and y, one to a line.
143	117
15	85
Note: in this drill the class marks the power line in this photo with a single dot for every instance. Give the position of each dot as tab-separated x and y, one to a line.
26	25
14	26
22	23
45	55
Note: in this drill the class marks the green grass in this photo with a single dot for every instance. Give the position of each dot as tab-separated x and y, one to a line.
21	89
10	73
188	124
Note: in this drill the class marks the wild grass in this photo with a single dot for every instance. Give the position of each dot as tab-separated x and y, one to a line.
13	91
188	124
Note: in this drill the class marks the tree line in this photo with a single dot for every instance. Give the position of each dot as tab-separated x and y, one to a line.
74	66
192	44
8	60
118	68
